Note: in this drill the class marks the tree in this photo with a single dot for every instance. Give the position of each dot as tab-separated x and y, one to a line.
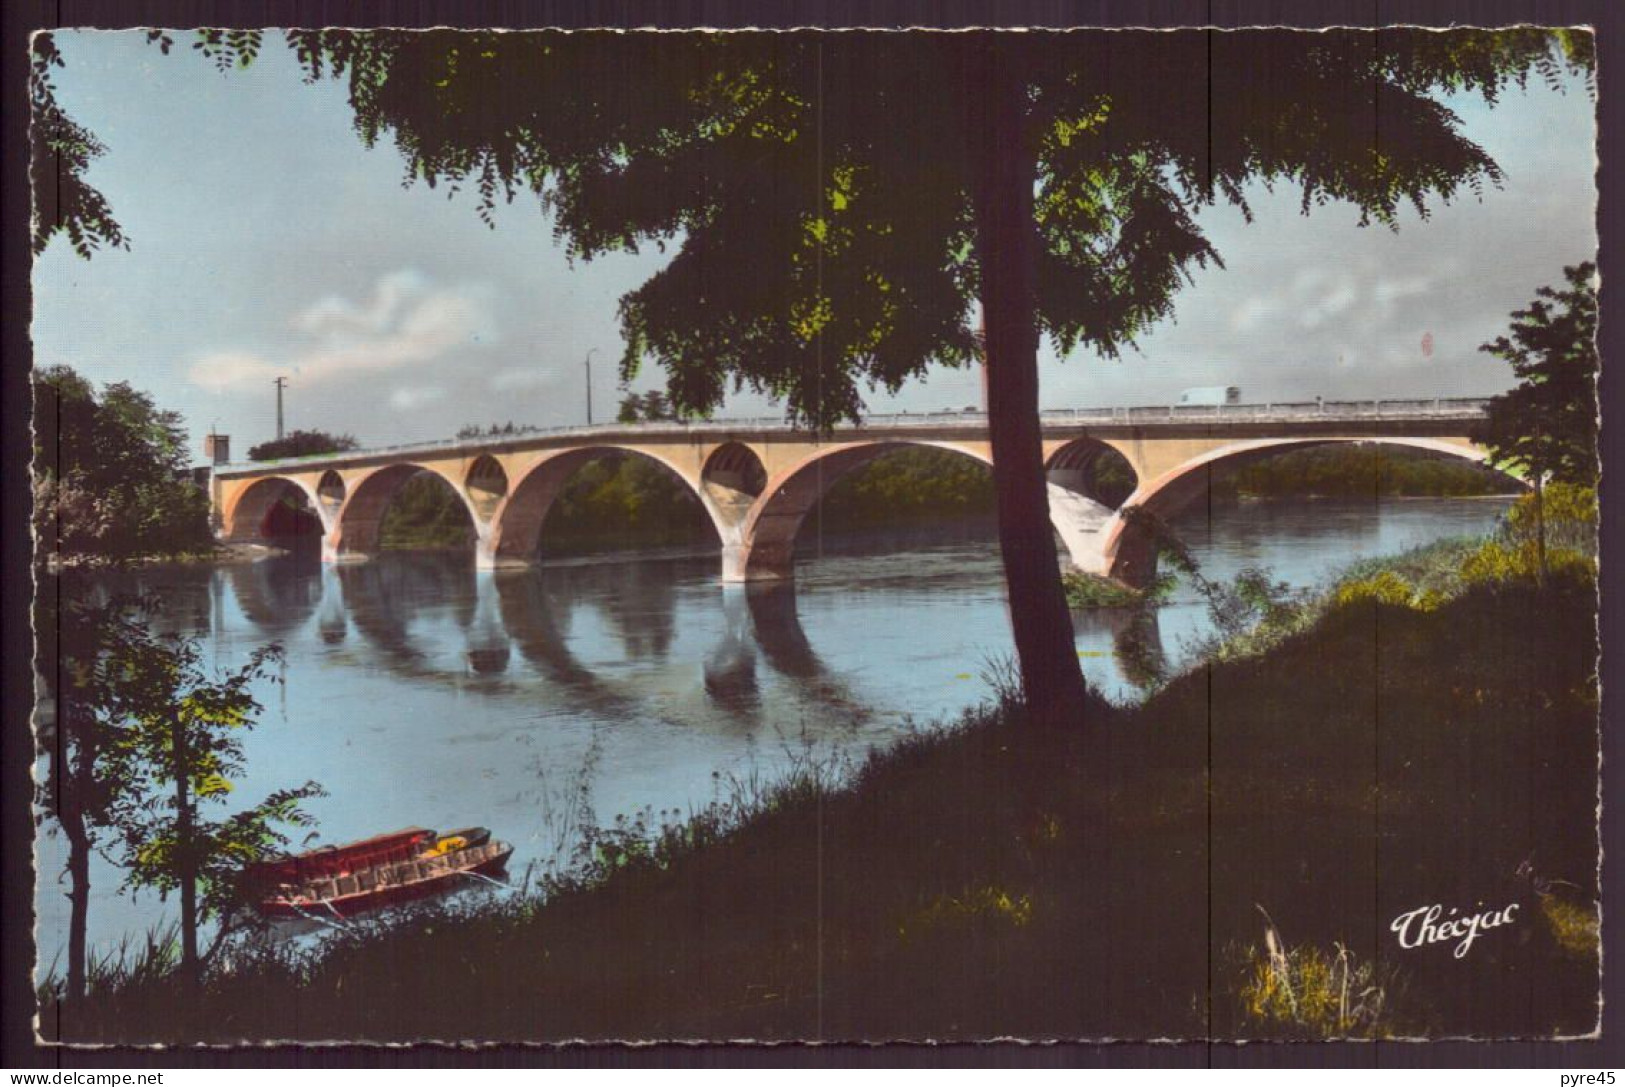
836	227
303	443
178	749
64	203
649	407
109	473
1546	426
82	646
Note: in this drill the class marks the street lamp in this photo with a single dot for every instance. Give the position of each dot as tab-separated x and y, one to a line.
280	383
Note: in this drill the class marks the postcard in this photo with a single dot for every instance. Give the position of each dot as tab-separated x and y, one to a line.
842	536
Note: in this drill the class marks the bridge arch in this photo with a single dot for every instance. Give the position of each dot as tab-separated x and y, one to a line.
245	519
361	518
1128	554
733	478
486	485
516	524
330	491
1092	468
767	549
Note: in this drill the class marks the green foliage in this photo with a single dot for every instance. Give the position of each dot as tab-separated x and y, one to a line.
1347	469
909	485
1499	562
1568	512
806	292
1546	426
1386	587
425	515
110	473
624	500
175	750
1553	533
130	707
303	443
60	154
1306	993
650	407
984	905
495	430
1574	925
1111	478
628	501
1085	590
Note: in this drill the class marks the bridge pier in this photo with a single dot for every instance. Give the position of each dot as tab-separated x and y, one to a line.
1082	525
333	555
487	556
762	560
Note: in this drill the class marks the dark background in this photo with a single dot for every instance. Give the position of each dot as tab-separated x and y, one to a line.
17	1048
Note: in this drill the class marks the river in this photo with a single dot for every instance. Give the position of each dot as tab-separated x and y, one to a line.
420	691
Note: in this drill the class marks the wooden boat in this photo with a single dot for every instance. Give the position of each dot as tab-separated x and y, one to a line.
375	872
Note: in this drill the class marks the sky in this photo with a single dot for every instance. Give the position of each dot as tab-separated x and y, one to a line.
266	240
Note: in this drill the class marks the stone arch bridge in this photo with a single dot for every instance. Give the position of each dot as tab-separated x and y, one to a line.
757	479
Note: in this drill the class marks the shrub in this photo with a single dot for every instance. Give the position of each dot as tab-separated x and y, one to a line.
1305	992
1386	587
1085	590
1498	563
1571	518
1574	925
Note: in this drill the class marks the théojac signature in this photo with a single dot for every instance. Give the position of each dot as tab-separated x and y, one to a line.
1432	925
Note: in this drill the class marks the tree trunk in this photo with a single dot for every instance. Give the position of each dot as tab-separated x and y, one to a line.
1007	251
1540	526
73	828
185	857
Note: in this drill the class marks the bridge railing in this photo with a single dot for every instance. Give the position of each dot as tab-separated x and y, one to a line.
1294	411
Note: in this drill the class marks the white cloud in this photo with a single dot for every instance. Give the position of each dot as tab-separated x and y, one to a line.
406	322
1391	290
521	377
1252	312
408	398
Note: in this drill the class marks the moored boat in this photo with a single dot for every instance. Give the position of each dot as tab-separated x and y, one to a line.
375	872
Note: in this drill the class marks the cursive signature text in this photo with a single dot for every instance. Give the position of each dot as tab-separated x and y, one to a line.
1432	925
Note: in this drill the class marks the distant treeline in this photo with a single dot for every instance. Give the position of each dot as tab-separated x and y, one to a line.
425	515
910	486
624	501
628	501
1346	470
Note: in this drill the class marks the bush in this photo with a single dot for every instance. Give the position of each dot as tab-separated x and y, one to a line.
1305	992
1497	563
1571	518
1386	587
303	443
111	474
1085	590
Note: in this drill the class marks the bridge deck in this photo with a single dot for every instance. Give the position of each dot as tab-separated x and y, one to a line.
1244	420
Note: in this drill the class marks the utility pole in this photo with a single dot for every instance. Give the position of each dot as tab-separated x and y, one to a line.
280	383
590	350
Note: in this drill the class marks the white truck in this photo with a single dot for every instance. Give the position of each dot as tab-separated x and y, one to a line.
1210	396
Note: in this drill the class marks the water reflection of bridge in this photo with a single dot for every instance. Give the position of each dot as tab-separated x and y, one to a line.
531	613
757	481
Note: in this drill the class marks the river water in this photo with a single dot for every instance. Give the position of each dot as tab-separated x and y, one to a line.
419	691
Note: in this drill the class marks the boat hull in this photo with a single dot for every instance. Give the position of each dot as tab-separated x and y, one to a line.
389	885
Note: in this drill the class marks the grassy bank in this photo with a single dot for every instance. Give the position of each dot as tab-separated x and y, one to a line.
1103	881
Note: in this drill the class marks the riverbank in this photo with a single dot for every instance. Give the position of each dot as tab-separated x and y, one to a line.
1098	882
222	554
